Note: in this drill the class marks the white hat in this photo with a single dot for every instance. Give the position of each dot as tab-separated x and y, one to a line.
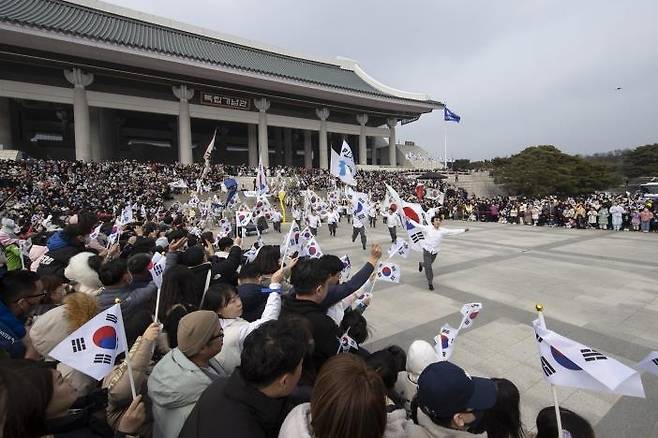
419	355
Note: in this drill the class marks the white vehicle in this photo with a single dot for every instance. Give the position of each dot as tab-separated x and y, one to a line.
649	190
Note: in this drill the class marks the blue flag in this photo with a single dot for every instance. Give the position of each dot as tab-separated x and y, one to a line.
449	116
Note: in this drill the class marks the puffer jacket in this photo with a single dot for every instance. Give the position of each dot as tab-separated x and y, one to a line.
174	387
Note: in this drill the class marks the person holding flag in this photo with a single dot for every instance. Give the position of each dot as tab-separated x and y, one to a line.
434	235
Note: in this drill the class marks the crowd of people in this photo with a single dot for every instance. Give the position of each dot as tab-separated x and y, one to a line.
229	341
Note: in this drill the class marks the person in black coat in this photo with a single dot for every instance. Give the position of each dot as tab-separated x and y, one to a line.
253	401
310	279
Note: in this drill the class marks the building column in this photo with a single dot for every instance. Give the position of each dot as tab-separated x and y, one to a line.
363	150
95	134
184	94
6	140
287	146
252	144
323	115
263	105
80	80
392	151
308	150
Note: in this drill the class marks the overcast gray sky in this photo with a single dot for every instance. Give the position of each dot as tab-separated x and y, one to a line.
518	72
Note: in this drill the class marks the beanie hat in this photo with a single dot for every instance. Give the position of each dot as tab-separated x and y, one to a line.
419	356
195	330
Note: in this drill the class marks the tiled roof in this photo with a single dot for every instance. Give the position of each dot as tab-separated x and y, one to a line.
92	24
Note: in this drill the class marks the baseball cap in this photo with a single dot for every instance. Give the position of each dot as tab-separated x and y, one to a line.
444	389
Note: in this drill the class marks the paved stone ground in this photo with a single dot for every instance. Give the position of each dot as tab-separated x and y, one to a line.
597	287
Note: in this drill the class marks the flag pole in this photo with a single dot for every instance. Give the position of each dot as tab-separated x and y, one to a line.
127	347
540	314
445	145
157	306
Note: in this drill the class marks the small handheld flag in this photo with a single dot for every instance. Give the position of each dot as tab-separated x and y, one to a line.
93	348
388	272
650	363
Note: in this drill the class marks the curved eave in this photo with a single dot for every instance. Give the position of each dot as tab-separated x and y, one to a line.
36	39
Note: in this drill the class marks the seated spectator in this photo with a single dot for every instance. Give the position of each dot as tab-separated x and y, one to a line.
177	298
334	266
117	383
504	419
226	262
250	291
54	326
83	271
61	247
419	355
182	375
223	299
20	292
310	279
574	424
55	290
449	402
44	404
348	401
253	402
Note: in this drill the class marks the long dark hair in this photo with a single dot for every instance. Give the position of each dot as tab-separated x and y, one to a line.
267	260
218	296
504	419
27	388
177	288
574	423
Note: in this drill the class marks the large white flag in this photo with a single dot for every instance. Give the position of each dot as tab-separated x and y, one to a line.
340	169
568	363
210	148
650	363
261	180
156	268
346	154
388	272
93	348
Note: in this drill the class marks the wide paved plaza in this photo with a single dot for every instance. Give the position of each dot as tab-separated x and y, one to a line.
598	287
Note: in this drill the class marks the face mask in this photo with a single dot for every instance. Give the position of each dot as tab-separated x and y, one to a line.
477	425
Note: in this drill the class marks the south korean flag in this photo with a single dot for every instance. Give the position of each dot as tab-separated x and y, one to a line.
312	249
224	227
305	236
93	348
568	363
346	343
650	363
388	272
156	267
416	236
347	266
400	247
444	342
243	217
469	312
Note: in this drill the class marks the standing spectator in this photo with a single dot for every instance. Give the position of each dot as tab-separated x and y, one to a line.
616	211
645	219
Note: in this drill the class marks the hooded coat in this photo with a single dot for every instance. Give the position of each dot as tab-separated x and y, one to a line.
174	386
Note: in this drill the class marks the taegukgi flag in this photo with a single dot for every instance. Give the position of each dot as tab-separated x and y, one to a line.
261	180
93	348
157	267
400	247
469	312
444	342
569	363
347	266
311	249
650	363
388	272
